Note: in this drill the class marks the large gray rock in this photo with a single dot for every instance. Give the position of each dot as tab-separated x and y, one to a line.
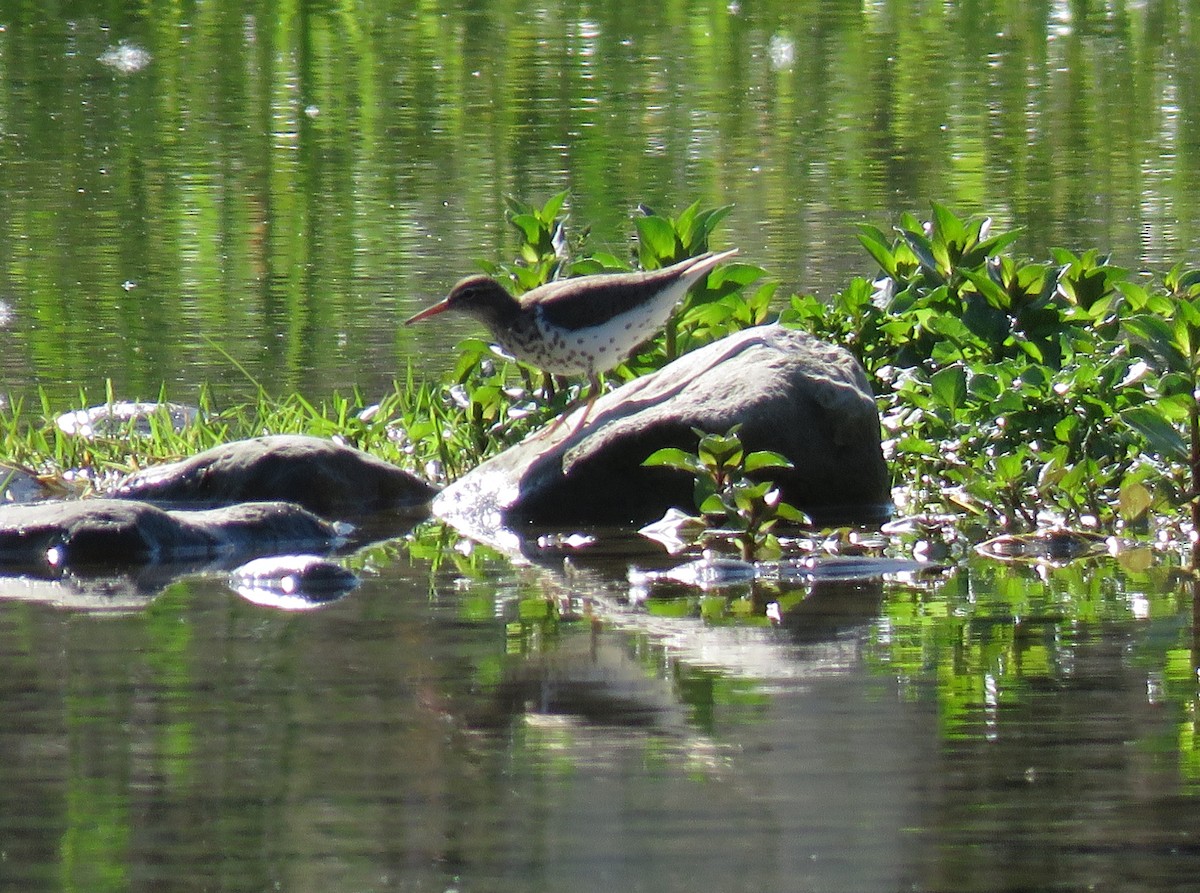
791	393
324	477
116	532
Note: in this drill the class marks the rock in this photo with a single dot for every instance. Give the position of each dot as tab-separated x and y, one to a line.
324	477
790	392
292	582
118	532
114	419
1050	544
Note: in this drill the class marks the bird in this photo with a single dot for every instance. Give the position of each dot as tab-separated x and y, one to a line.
586	325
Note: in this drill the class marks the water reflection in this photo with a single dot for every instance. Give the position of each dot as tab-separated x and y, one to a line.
529	728
281	185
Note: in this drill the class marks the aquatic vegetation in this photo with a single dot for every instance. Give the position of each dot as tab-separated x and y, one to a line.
1016	391
1020	391
735	506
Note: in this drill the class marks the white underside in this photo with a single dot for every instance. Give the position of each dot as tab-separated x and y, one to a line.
596	349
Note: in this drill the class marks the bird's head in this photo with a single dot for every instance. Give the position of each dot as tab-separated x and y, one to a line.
479	297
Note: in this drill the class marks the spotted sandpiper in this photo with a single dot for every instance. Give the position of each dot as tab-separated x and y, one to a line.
586	325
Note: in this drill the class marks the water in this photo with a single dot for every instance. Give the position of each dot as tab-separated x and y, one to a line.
186	189
481	727
275	185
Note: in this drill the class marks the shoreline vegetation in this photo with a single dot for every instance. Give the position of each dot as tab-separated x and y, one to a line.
1016	393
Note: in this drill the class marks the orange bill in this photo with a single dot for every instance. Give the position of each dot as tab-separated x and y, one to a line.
440	307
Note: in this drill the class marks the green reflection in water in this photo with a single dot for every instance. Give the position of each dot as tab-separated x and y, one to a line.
288	179
996	636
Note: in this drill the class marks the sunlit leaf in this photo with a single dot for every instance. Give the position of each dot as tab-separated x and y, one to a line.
1163	437
673	457
949	386
1159	336
761	459
656	241
877	246
1134	501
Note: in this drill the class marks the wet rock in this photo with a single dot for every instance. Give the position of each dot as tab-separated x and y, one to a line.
717	574
324	477
292	582
115	419
790	392
1054	545
705	574
113	533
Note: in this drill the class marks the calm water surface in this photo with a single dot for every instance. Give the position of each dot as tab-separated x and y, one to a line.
279	183
187	188
479	727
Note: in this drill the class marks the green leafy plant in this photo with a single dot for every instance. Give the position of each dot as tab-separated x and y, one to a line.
713	310
998	380
1165	331
734	505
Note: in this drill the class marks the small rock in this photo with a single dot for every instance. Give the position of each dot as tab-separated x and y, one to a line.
705	574
292	582
324	477
117	532
1050	544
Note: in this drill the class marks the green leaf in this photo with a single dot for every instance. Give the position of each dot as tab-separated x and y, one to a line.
992	293
985	387
707	221
721	450
656	242
1159	336
923	249
1163	437
673	457
516	206
1134	500
1009	467
553	206
947	228
994	245
877	246
785	511
529	226
738	274
949	386
760	459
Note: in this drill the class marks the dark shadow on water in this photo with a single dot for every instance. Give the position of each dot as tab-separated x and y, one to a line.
123	587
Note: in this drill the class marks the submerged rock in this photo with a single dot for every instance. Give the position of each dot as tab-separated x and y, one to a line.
292	582
790	392
1050	544
117	532
709	574
324	477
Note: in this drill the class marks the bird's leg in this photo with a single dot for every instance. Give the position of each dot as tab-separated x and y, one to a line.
594	386
593	393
